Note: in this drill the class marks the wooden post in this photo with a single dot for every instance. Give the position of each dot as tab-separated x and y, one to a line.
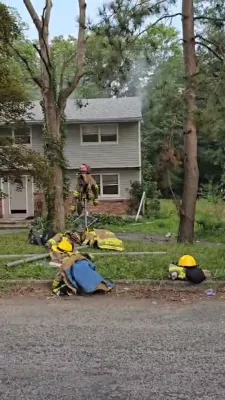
140	206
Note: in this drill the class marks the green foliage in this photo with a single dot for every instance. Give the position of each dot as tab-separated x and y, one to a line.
9	30
149	186
13	96
41	223
14	102
106	219
17	159
211	192
102	220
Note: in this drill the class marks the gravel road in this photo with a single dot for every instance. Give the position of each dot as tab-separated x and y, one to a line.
103	348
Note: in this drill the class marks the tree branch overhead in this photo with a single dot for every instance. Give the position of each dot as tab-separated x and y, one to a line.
80	56
36	20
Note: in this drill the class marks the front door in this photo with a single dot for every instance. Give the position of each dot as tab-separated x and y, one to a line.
18	199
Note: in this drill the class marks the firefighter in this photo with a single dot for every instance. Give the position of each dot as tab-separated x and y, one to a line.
86	189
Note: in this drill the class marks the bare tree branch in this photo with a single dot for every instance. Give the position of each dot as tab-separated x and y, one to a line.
36	20
45	26
155	23
47	12
203	18
80	56
35	78
43	59
210	50
208	41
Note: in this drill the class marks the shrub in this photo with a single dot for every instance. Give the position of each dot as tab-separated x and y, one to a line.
149	186
101	220
41	223
211	192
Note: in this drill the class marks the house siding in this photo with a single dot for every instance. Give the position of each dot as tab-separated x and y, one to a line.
123	154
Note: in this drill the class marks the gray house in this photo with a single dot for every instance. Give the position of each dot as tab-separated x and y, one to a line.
105	134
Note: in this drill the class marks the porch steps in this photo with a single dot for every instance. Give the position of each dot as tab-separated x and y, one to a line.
14	224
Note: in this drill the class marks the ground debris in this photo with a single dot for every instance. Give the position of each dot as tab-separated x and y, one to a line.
159	294
156	294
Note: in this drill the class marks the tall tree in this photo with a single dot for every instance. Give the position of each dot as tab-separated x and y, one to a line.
15	159
191	172
54	98
13	96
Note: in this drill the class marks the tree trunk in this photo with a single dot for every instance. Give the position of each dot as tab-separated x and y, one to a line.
54	103
191	172
52	117
52	120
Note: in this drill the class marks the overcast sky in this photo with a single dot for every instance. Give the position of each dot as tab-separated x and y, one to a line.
64	15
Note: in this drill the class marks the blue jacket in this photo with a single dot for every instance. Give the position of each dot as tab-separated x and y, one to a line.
83	275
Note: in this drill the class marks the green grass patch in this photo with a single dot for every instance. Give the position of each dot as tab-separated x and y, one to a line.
212	215
18	244
115	267
156	266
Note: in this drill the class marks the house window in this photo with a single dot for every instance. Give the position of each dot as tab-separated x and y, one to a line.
22	135
19	135
92	134
108	184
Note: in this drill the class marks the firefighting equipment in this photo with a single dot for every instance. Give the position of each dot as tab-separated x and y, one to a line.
65	245
85	191
85	169
103	239
176	272
95	202
62	246
78	273
76	194
187	261
194	275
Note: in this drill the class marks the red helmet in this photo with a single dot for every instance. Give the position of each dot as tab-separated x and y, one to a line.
85	169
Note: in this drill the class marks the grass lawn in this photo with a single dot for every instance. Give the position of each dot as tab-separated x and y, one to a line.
213	216
115	267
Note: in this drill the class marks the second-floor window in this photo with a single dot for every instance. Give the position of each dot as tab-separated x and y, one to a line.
21	135
97	134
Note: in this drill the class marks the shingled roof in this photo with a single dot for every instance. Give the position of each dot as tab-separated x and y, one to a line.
97	110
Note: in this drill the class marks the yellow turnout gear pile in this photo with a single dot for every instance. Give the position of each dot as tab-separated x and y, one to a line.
63	246
103	239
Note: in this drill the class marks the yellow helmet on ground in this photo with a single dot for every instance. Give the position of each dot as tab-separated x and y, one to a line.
65	245
187	261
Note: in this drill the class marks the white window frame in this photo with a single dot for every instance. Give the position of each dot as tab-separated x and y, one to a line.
30	134
99	135
13	136
108	196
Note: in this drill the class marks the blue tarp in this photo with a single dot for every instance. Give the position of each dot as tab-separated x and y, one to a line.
83	275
